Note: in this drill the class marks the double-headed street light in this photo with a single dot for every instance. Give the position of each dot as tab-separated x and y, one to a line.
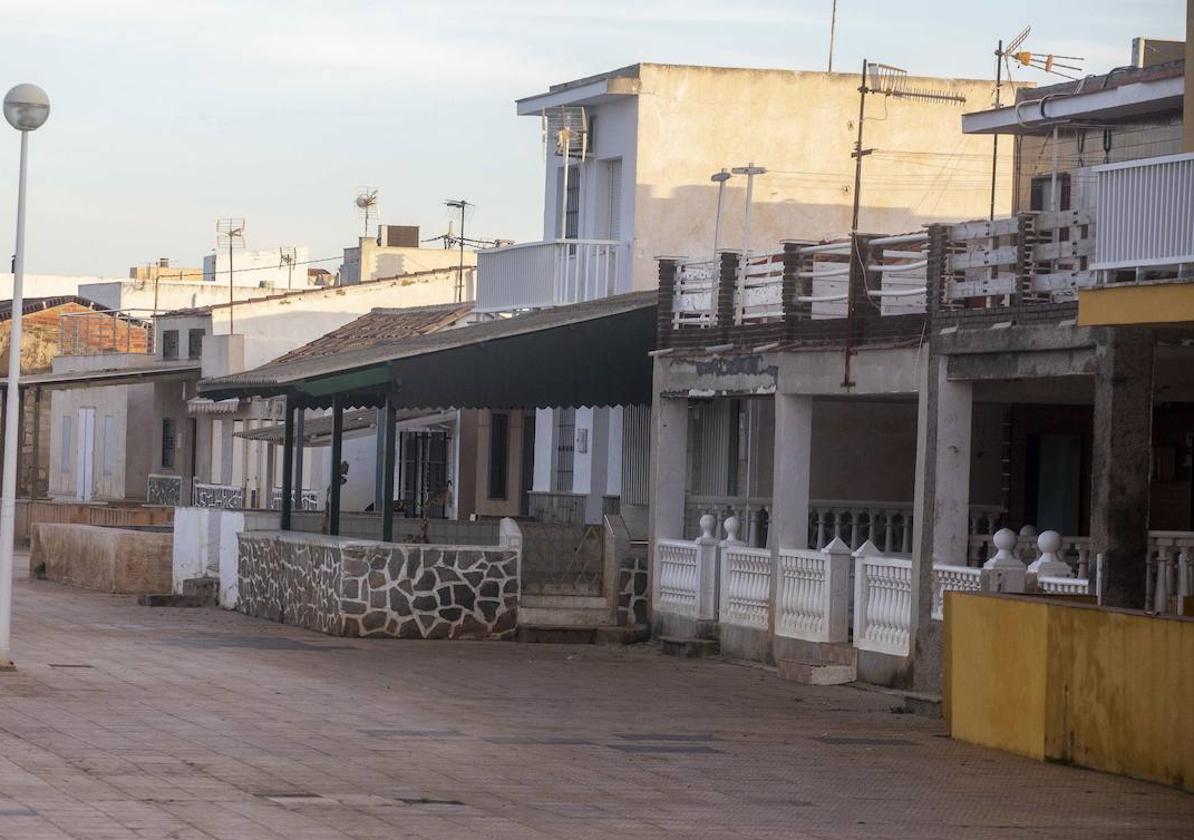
26	107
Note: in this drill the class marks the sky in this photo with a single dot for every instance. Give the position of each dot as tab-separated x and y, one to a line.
167	115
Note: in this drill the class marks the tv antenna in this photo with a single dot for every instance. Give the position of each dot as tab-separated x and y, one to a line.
465	210
891	83
287	258
230	234
366	201
566	132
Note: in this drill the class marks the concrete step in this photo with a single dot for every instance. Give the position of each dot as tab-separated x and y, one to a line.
689	648
808	673
563	601
572	635
922	703
566	616
171	599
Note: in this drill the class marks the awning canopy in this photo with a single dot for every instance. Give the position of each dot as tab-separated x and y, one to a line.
318	430
585	354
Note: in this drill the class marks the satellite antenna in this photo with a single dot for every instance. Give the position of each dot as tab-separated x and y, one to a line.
366	201
287	257
230	234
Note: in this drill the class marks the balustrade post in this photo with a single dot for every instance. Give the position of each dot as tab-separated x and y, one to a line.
727	284
1004	572
665	316
1048	563
836	607
1162	589
708	571
1185	574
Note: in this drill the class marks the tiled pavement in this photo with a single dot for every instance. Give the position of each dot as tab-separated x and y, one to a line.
127	722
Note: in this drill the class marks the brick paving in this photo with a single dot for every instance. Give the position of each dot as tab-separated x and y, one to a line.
129	722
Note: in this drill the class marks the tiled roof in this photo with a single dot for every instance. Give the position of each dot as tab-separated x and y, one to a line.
37	304
381	326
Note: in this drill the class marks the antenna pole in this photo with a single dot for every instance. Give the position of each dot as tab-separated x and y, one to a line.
832	32
859	152
721	178
231	294
564	197
995	143
460	277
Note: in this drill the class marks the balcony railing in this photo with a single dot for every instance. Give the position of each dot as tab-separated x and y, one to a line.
1145	217
539	274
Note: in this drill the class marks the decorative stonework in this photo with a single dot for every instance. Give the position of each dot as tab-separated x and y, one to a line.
222	496
366	588
634	590
164	490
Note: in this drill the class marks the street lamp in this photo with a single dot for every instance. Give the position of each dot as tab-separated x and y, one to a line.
26	107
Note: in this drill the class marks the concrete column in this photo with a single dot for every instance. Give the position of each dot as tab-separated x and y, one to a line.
613	453
941	504
589	468
1121	455
791	479
669	455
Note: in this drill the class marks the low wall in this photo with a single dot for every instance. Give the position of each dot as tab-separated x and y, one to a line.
36	511
352	587
367	525
1075	683
205	545
104	559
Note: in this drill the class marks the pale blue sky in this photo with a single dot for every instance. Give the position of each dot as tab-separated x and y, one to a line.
169	114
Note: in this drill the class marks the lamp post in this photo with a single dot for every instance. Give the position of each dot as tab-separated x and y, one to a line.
26	107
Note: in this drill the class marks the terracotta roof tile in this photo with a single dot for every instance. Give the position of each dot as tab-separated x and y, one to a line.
381	326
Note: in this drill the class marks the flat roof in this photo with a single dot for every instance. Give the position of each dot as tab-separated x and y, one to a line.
109	376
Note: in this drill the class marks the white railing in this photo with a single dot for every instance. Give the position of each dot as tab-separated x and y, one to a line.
952	579
1145	213
679	568
759	295
1052	585
695	301
1169	570
887	525
812	598
745	586
752	512
538	274
882	602
901	264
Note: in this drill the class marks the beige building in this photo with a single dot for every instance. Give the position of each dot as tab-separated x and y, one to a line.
397	250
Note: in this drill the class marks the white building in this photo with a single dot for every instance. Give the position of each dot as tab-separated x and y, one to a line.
397	250
275	268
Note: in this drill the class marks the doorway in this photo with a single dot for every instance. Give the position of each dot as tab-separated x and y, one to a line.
85	456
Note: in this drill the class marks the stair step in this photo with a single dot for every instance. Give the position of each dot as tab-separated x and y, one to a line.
565	616
556	634
171	599
816	673
563	601
689	648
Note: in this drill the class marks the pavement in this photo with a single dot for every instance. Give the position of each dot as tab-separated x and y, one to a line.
130	722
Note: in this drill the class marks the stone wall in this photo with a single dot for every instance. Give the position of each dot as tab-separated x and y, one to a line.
353	587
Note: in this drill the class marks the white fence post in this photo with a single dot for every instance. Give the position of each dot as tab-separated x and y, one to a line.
1048	562
1003	572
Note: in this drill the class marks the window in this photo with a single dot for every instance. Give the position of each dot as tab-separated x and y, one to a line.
195	343
572	204
170	344
1040	196
168	438
499	454
67	424
565	448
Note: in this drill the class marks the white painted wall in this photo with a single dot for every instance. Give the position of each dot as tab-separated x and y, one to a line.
139	295
206	545
263	267
51	285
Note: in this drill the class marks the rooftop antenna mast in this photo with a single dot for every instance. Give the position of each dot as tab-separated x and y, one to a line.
832	32
464	207
1001	54
891	83
566	129
287	257
230	234
366	201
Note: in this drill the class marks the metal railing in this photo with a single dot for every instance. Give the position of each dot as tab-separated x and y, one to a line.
533	275
1145	217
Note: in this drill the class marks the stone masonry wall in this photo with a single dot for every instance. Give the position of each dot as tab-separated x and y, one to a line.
366	588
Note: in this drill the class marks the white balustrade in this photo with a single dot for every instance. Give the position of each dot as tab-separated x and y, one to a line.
813	593
948	578
882	602
695	298
538	274
745	586
1064	585
678	566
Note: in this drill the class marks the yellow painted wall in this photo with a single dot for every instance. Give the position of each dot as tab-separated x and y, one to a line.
1112	690
1160	303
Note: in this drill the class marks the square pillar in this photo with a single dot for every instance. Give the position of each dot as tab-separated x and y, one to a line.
1121	456
669	468
545	450
793	470
385	426
288	465
337	476
941	503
